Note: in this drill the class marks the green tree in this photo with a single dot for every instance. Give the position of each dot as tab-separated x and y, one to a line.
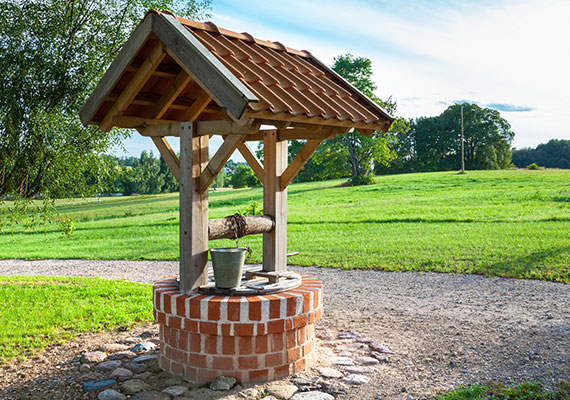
243	176
52	53
554	154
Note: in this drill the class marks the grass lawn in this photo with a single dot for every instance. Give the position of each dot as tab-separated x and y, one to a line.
512	223
526	391
36	311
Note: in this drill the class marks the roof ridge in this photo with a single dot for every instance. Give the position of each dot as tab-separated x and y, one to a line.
209	26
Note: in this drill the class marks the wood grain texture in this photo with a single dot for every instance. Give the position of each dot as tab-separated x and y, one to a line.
221	228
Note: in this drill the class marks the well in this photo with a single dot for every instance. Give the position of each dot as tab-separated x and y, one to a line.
193	80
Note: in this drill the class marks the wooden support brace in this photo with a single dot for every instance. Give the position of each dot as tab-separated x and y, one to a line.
137	82
197	107
298	162
252	160
169	156
219	160
166	100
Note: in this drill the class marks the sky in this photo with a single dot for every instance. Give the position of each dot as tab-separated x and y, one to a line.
510	55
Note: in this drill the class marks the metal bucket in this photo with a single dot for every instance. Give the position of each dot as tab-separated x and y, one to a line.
228	266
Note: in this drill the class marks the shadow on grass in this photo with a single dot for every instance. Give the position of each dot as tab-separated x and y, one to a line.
429	221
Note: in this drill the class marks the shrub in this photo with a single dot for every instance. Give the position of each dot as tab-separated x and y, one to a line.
534	166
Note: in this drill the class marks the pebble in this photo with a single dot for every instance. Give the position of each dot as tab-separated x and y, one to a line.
175	390
113	347
120	355
150	396
282	390
144	358
348	335
270	397
380	348
84	368
367	361
93	357
346	361
380	356
143	347
110	394
98	384
223	383
133	386
360	370
201	394
365	340
173	381
137	367
130	340
121	373
355	379
312	396
334	387
328	372
90	376
251	393
108	365
145	375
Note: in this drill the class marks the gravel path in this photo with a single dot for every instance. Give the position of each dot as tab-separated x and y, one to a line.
446	329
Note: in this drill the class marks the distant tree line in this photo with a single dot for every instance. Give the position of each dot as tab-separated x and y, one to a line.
554	154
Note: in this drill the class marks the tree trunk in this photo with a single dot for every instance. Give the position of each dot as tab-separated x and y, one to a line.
223	228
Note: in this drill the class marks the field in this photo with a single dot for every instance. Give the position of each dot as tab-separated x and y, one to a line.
512	223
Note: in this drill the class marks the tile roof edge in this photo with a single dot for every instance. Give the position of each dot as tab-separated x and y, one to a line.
348	85
213	28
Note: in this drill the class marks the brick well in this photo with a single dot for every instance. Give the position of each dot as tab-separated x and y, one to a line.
252	338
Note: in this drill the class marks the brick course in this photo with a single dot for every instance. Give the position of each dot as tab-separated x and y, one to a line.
252	338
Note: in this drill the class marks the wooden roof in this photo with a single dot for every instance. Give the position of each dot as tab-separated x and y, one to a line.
173	69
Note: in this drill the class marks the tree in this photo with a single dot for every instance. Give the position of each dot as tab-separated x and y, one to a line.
52	53
243	176
358	152
554	154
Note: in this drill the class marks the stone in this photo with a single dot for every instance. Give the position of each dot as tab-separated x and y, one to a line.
175	390
98	384
250	394
270	397
113	347
380	356
130	340
365	340
367	361
121	355
328	372
110	394
150	396
137	367
323	335
201	394
346	361
282	390
85	368
348	335
334	387
223	383
121	373
108	365
143	347
93	357
133	386
362	369
90	376
312	396
147	334
145	358
145	375
380	348
355	379
306	385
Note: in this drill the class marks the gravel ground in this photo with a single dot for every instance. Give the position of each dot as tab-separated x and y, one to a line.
445	329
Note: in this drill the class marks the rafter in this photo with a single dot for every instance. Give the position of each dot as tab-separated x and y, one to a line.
135	85
197	107
252	160
298	162
219	160
173	91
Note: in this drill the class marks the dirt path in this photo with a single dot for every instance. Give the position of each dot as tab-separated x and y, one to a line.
446	329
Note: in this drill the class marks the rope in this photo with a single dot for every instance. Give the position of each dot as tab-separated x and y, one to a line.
238	225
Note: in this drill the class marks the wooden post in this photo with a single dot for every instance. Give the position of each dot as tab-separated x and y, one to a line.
274	202
193	209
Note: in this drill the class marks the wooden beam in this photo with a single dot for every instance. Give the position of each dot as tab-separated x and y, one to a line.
252	161
168	129
301	134
197	107
124	121
169	156
193	211
173	91
221	128
136	83
218	161
274	203
298	162
266	115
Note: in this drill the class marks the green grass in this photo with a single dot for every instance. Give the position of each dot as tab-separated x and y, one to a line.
526	391
40	311
511	223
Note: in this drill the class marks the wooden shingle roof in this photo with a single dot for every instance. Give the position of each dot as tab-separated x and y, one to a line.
174	69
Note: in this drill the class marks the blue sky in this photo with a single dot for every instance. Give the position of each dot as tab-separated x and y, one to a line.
511	55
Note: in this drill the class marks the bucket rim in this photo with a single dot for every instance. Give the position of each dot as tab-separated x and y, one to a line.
229	249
